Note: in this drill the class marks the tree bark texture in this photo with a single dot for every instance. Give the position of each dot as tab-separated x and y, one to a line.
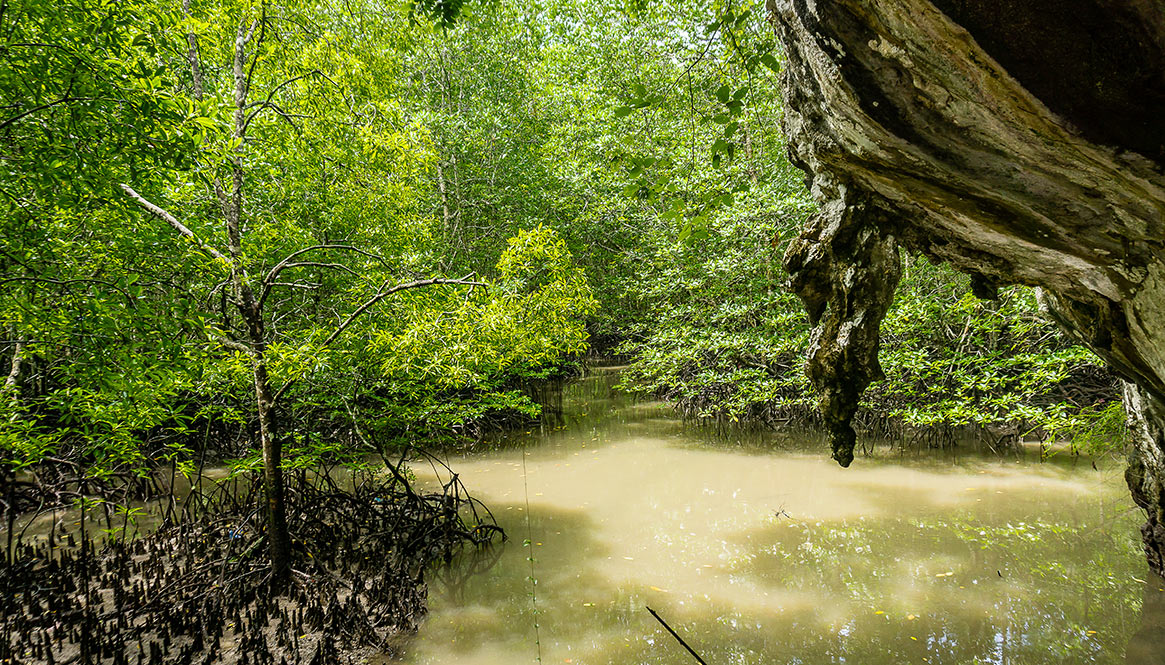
1022	142
278	539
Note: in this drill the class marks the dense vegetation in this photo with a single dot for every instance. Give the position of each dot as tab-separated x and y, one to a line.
384	217
285	235
287	232
284	224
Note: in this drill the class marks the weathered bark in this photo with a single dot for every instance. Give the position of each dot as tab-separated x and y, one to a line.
278	539
1021	142
192	55
844	259
1146	472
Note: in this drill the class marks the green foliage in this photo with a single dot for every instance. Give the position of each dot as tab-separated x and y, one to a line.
605	171
454	358
116	316
723	338
685	152
951	361
95	301
1097	430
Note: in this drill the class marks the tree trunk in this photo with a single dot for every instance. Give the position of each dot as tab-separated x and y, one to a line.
446	216
1022	143
1146	473
15	372
278	539
243	297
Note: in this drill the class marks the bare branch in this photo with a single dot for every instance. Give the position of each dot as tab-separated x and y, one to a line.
244	38
289	117
270	282
329	79
172	221
19	116
384	293
12	383
317	264
279	267
310	286
259	42
269	104
677	636
371	302
276	89
66	282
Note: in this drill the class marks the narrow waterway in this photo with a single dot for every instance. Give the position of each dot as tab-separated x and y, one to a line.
757	548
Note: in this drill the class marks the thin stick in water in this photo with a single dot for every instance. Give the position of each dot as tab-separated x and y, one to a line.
530	544
678	638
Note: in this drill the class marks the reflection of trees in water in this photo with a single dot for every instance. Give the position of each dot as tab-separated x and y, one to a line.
580	404
1046	576
451	580
959	589
549	395
1041	591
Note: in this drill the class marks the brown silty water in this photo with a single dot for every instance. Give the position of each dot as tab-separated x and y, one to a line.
756	548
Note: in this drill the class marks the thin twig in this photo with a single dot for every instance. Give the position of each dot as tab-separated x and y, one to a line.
380	295
678	638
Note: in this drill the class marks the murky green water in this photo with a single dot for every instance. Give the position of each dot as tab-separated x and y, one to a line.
759	549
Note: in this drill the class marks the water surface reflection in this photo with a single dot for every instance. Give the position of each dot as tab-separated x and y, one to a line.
759	549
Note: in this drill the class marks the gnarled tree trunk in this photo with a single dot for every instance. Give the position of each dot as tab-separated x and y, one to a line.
1022	142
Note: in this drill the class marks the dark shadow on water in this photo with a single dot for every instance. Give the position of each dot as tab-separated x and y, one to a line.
494	605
